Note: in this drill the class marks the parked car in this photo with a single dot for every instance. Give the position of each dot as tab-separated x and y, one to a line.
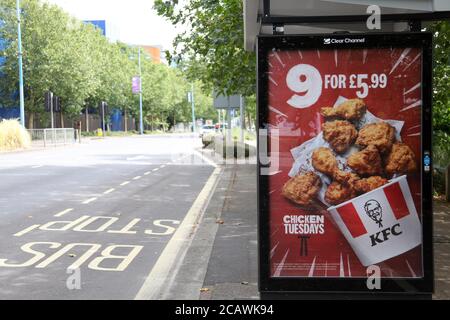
221	126
205	129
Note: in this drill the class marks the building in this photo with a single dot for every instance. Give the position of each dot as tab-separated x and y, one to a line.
100	24
108	29
155	52
7	112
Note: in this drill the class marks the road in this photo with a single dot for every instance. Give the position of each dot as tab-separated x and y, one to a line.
90	221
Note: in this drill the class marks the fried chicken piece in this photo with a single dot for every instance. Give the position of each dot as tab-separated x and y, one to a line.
366	162
352	109
340	134
303	188
368	184
323	160
344	177
400	160
337	193
380	134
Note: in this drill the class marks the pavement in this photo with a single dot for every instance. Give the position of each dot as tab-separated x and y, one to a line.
92	221
441	216
221	262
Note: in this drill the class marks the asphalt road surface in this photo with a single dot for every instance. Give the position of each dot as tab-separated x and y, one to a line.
90	221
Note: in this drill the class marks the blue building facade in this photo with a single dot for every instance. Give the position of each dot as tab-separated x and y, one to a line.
100	24
6	112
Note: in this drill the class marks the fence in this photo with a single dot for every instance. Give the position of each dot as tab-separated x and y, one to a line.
52	137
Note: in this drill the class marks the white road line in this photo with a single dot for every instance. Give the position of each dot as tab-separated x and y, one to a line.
163	273
147	173
89	200
137	177
125	183
162	166
109	191
156	169
24	231
59	214
35	167
208	161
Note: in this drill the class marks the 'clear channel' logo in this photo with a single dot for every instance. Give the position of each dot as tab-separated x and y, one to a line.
344	40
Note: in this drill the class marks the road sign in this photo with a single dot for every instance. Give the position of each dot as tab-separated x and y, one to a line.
56	104
136	84
48	101
226	102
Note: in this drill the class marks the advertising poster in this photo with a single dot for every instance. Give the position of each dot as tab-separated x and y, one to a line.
346	193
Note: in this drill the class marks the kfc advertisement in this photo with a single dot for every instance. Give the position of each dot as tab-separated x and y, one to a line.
346	193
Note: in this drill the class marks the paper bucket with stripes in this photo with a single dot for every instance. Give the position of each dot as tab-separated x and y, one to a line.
380	224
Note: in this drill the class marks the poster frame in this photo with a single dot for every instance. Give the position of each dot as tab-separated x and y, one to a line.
266	283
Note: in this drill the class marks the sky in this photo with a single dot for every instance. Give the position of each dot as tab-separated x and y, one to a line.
130	21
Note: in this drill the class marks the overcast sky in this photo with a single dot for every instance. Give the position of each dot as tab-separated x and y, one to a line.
131	21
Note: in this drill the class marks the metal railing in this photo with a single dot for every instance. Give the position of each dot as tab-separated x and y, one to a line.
52	137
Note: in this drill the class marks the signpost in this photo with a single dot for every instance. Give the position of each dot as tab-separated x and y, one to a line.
48	100
192	101
103	108
326	225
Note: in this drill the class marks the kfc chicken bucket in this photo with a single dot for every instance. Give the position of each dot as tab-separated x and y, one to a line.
380	224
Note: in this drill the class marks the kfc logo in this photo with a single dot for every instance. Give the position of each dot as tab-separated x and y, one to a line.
374	211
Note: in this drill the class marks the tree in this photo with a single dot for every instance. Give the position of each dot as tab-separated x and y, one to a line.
55	57
81	66
441	92
212	49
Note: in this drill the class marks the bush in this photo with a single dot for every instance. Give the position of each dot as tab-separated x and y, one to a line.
441	159
13	136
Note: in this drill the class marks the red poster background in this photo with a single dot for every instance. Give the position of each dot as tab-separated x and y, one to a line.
329	254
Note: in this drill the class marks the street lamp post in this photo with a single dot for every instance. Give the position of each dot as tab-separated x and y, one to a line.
193	109
19	44
141	122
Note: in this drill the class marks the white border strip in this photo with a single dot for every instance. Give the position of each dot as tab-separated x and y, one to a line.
161	272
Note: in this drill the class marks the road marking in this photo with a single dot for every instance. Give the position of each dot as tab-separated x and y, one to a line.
24	231
156	169
127	228
59	214
125	183
137	177
162	166
136	158
35	167
165	269
89	200
147	173
208	161
109	191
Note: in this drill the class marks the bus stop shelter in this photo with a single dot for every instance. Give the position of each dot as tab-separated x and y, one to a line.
300	45
328	16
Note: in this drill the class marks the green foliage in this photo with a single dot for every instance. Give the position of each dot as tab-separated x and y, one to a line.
441	80
441	93
212	48
81	66
441	102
